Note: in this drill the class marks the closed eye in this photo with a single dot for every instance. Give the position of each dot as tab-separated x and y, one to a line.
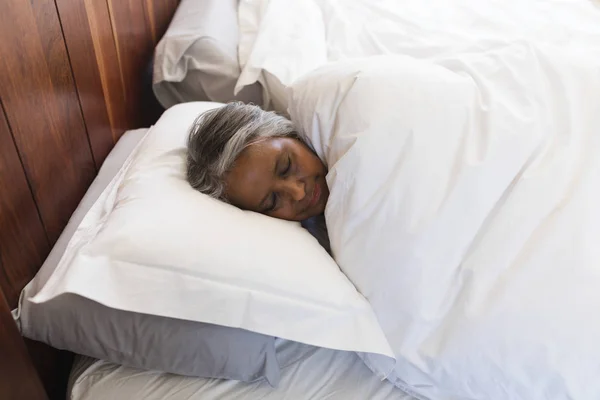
288	167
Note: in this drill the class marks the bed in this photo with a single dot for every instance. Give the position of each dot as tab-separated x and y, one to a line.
84	76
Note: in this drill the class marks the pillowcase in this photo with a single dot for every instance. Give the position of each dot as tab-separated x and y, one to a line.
197	57
144	341
153	245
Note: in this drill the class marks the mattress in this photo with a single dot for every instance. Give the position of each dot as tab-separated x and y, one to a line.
307	373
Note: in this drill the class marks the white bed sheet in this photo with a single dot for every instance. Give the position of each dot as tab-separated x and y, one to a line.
307	373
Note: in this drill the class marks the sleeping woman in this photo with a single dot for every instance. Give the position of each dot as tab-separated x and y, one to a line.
258	161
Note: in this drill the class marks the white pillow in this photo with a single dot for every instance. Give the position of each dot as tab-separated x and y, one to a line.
151	244
197	60
464	206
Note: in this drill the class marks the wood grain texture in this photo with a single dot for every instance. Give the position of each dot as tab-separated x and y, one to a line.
71	76
110	43
159	14
134	46
53	367
88	35
23	242
18	379
43	110
46	163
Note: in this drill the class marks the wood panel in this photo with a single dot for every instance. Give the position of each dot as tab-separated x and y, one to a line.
18	378
53	367
50	149
71	75
42	108
110	43
23	242
88	35
159	15
134	45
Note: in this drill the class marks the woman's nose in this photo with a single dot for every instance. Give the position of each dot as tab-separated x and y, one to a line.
295	188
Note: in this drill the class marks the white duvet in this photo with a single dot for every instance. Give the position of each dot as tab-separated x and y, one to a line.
464	178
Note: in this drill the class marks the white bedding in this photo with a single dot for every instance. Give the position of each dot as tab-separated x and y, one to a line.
462	139
282	40
307	373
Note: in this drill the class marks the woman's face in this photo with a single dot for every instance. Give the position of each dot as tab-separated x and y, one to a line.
279	177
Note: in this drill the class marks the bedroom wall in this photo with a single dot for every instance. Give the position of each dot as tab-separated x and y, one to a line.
70	85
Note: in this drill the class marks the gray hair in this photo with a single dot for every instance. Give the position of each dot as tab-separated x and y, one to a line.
217	137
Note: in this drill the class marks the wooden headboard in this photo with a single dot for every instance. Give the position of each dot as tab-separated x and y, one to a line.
71	82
